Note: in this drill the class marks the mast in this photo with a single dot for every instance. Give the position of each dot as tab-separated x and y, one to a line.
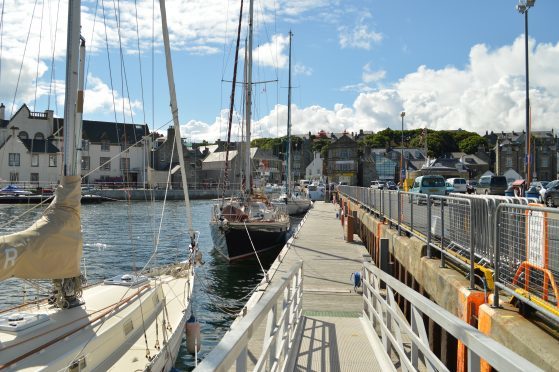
232	104
71	165
289	122
248	106
175	112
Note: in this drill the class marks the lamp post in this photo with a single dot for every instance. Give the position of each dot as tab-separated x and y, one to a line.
402	114
522	8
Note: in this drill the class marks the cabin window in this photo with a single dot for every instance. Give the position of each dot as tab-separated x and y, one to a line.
52	160
85	162
34	160
105	163
13	159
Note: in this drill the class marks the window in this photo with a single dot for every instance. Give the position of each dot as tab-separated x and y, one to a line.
508	162
23	135
13	159
125	164
85	145
85	162
14	176
34	177
34	160
52	160
544	161
105	163
105	145
39	136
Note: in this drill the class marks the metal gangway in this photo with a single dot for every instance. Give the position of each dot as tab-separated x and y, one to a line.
276	334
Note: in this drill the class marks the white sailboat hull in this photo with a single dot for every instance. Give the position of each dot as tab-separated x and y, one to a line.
108	332
294	206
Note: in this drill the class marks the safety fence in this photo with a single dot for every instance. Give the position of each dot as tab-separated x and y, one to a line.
407	342
462	228
281	307
527	255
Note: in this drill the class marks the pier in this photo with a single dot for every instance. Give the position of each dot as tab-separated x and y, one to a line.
410	312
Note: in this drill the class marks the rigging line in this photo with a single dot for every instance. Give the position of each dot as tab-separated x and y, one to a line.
256	253
91	43
23	57
52	67
38	56
123	74
140	61
158	233
109	62
1	39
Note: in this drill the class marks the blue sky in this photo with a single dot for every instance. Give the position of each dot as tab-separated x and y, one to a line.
356	64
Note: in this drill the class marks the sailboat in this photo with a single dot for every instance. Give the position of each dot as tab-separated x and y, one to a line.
133	321
296	203
248	224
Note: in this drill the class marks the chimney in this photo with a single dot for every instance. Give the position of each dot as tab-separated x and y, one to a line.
50	119
2	111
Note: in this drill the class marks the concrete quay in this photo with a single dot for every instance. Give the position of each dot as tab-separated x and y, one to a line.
450	289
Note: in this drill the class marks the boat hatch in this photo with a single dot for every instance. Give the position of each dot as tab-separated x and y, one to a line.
16	322
127	280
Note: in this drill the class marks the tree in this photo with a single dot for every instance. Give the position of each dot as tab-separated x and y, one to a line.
469	145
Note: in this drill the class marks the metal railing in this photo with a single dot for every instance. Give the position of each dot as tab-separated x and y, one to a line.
527	256
281	305
462	228
408	344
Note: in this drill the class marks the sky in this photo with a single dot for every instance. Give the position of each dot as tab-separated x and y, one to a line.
356	65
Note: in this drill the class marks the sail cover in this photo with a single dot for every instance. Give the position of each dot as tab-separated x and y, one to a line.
52	247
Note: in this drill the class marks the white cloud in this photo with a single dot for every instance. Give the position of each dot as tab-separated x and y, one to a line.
300	69
371	76
359	37
488	94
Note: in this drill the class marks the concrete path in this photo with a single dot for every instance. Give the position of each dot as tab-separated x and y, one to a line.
333	338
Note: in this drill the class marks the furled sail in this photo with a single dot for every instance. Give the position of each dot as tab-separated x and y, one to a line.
52	247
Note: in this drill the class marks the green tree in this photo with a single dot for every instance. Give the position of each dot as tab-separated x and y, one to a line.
470	144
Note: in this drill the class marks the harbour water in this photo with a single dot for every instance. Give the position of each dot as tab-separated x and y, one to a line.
119	237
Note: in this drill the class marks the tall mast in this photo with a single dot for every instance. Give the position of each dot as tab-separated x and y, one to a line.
71	164
175	111
248	106
289	122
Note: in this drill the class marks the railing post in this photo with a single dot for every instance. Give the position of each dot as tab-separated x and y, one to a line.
443	258
429	200
411	211
472	259
497	257
399	195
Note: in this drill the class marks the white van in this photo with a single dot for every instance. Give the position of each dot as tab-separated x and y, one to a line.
459	184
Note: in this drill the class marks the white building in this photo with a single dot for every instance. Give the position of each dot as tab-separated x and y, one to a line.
314	169
31	149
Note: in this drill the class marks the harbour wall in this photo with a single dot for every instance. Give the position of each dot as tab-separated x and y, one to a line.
157	194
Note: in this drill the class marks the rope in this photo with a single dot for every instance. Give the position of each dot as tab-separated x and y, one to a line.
255	253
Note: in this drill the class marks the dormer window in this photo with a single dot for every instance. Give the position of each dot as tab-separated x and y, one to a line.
105	145
39	136
23	135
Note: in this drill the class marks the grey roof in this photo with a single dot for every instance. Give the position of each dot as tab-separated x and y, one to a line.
115	133
40	146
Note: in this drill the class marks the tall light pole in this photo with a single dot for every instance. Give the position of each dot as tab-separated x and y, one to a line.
402	114
522	8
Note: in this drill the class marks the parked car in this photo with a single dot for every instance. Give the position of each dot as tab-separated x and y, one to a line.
550	195
449	188
391	185
492	185
429	184
377	185
458	184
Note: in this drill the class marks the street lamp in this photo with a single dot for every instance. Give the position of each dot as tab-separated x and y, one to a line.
522	8
402	114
